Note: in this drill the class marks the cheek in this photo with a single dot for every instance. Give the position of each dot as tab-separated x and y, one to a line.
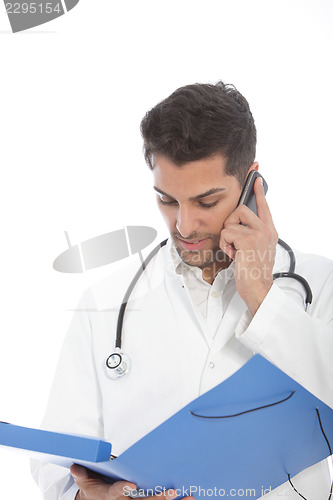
231	204
221	214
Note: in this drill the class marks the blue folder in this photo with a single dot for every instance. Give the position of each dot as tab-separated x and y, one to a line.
248	433
75	447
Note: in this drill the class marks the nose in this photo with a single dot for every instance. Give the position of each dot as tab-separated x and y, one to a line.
187	222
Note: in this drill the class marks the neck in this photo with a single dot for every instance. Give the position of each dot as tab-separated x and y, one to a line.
210	272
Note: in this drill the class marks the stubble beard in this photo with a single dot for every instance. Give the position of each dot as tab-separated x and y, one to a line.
203	258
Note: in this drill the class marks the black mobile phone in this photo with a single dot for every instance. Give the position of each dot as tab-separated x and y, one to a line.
247	196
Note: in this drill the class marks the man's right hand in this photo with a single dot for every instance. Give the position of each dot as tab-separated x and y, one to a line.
93	486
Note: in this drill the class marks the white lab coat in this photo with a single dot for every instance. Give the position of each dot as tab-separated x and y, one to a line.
172	362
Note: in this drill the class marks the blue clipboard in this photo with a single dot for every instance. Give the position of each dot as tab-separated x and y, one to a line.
248	433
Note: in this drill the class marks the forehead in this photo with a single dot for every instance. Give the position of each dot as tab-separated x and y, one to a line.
205	172
192	178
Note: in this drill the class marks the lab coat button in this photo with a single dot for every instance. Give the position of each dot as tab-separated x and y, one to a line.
211	365
215	295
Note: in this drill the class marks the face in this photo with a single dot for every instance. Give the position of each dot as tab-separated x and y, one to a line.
195	200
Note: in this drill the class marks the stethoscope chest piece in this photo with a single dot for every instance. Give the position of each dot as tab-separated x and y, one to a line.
117	364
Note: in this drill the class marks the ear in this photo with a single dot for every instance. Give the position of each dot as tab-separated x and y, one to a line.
254	166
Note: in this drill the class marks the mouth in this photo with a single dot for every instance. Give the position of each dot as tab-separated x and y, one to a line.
192	245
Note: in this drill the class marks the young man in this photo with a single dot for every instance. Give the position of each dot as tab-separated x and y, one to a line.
205	304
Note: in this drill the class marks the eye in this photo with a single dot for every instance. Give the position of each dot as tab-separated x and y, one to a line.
163	202
207	205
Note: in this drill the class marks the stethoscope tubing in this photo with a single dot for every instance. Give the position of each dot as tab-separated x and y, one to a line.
130	290
291	274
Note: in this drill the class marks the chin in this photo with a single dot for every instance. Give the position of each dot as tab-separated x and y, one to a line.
198	259
204	258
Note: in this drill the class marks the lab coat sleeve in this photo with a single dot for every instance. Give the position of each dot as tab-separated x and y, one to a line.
75	403
299	344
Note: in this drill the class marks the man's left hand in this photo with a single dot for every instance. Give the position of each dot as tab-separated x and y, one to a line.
251	240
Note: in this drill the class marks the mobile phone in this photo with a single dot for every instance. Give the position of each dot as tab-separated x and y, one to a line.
247	196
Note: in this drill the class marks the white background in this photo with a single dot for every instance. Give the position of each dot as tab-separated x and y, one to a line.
72	94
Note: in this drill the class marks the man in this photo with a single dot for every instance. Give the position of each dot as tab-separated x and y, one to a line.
205	304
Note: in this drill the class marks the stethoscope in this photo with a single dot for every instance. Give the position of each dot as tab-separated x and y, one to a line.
119	363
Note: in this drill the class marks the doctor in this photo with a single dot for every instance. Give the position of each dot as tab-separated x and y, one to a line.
205	304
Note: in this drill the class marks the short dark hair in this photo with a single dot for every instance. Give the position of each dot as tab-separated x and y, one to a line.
198	121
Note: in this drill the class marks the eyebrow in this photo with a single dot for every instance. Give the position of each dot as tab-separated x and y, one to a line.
202	195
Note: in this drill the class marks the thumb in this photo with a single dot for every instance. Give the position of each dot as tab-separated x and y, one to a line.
85	477
78	471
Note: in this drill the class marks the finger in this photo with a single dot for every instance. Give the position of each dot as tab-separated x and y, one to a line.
166	495
123	488
243	215
236	235
170	494
230	239
228	249
263	210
